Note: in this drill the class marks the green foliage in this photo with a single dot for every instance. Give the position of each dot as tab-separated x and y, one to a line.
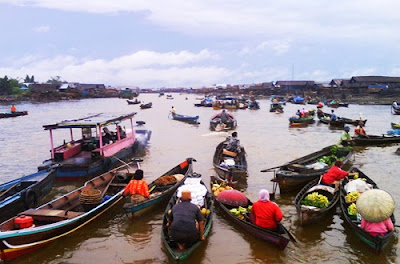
8	86
55	80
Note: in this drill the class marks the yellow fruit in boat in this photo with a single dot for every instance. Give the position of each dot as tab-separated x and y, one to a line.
208	211
204	211
169	211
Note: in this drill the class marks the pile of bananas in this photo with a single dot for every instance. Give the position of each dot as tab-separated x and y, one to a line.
218	188
240	211
316	199
352	209
352	197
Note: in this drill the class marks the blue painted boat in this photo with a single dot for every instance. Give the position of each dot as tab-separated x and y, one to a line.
64	215
186	118
23	193
92	154
160	192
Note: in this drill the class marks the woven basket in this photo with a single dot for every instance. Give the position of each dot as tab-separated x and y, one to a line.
90	196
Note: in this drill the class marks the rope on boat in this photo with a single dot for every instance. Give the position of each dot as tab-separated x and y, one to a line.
62	235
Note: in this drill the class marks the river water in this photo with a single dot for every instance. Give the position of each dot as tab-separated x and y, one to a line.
268	141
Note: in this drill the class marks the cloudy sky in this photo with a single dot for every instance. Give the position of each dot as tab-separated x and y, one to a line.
151	43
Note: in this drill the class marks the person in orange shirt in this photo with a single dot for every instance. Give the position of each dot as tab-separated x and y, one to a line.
13	109
137	187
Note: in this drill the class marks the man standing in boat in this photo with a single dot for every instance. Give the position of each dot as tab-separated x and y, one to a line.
13	108
224	117
233	143
173	111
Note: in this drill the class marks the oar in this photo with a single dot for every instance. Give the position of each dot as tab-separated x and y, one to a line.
291	236
397	225
267	170
6	191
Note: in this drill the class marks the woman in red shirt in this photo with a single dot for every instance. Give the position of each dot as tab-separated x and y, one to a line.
267	214
335	174
137	187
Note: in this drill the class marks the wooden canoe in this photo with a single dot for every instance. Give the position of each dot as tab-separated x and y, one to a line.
297	173
216	120
133	102
376	140
14	114
340	121
186	118
146	106
24	193
63	215
171	245
278	239
311	214
160	193
234	173
305	120
378	243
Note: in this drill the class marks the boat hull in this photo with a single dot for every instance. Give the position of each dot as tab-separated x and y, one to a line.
139	208
378	243
376	140
294	175
313	215
15	114
230	174
24	193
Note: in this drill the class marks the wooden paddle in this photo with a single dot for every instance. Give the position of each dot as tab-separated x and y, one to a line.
6	191
291	236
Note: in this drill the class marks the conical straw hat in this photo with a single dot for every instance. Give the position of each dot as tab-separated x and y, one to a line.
375	205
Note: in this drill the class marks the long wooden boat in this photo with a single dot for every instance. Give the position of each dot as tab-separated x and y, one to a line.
376	140
133	102
171	245
395	126
311	214
24	193
89	156
160	193
63	215
278	239
340	121
186	118
13	114
216	120
378	243
146	106
297	173
304	120
228	166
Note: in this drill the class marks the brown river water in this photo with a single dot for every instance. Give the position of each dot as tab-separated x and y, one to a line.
268	141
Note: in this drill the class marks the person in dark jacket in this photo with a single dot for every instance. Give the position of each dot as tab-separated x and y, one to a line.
185	222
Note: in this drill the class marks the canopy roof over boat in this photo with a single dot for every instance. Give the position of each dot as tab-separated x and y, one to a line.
91	121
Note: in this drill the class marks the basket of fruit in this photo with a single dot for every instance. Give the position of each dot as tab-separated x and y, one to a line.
352	197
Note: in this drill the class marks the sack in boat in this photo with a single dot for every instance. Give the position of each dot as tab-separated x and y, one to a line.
357	185
179	177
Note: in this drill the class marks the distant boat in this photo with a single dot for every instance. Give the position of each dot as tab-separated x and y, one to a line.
146	106
13	114
133	102
186	118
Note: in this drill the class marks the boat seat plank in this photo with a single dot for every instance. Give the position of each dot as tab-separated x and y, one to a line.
51	214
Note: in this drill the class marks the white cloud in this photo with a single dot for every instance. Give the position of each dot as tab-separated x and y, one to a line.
279	47
301	19
143	68
42	29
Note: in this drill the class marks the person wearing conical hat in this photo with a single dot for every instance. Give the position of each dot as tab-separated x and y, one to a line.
182	222
265	213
